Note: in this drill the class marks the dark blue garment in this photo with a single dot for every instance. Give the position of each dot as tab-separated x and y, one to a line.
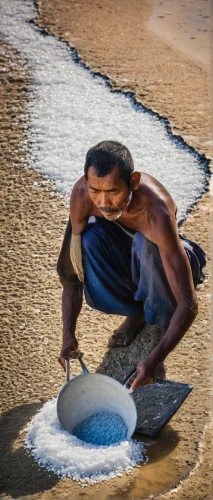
107	254
124	273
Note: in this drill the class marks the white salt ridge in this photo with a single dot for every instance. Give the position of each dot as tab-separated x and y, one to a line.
70	111
67	456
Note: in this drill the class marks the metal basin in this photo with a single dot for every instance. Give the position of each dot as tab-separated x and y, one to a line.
90	393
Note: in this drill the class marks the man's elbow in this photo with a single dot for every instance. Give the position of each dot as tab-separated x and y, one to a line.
190	307
193	308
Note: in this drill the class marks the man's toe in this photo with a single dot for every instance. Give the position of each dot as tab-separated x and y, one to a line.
115	341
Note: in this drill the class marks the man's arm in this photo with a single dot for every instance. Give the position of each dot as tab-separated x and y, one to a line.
72	298
79	215
178	272
72	295
80	207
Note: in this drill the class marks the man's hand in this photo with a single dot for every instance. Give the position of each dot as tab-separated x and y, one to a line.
146	374
71	344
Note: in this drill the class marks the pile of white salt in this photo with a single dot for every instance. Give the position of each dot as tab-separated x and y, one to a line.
67	456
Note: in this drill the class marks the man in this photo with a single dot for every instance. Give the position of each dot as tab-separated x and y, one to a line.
130	259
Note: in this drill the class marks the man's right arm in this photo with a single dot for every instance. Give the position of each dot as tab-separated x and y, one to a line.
72	295
72	298
80	206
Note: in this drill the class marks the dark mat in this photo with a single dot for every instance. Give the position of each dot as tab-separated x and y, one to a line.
157	403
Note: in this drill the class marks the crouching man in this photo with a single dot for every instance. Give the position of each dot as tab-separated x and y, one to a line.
123	249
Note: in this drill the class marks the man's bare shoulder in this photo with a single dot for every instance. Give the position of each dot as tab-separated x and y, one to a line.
155	195
80	205
80	188
153	208
80	193
161	215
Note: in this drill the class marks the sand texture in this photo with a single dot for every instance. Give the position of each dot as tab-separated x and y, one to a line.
114	39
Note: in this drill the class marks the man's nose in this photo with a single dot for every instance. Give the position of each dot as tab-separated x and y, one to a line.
104	200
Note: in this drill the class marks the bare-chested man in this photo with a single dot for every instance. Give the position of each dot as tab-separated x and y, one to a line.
129	259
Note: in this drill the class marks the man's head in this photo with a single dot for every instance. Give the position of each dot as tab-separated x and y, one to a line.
105	156
110	175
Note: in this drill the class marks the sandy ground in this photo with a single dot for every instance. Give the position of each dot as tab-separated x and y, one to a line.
126	42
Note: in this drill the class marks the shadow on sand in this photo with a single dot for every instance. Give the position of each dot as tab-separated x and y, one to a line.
22	477
20	474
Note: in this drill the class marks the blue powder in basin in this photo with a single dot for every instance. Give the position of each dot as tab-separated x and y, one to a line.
102	428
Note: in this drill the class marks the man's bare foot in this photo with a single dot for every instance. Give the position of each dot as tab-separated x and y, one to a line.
127	332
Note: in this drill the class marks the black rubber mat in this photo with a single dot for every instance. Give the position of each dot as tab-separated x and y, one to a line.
157	403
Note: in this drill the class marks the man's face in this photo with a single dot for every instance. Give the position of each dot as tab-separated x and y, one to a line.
110	194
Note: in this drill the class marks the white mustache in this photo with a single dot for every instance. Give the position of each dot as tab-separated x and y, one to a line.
107	210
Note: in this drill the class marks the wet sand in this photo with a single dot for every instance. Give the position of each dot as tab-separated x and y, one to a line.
117	41
184	25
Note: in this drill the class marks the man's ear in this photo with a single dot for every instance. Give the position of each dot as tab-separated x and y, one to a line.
135	180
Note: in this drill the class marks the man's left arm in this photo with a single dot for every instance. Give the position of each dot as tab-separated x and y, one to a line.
179	275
